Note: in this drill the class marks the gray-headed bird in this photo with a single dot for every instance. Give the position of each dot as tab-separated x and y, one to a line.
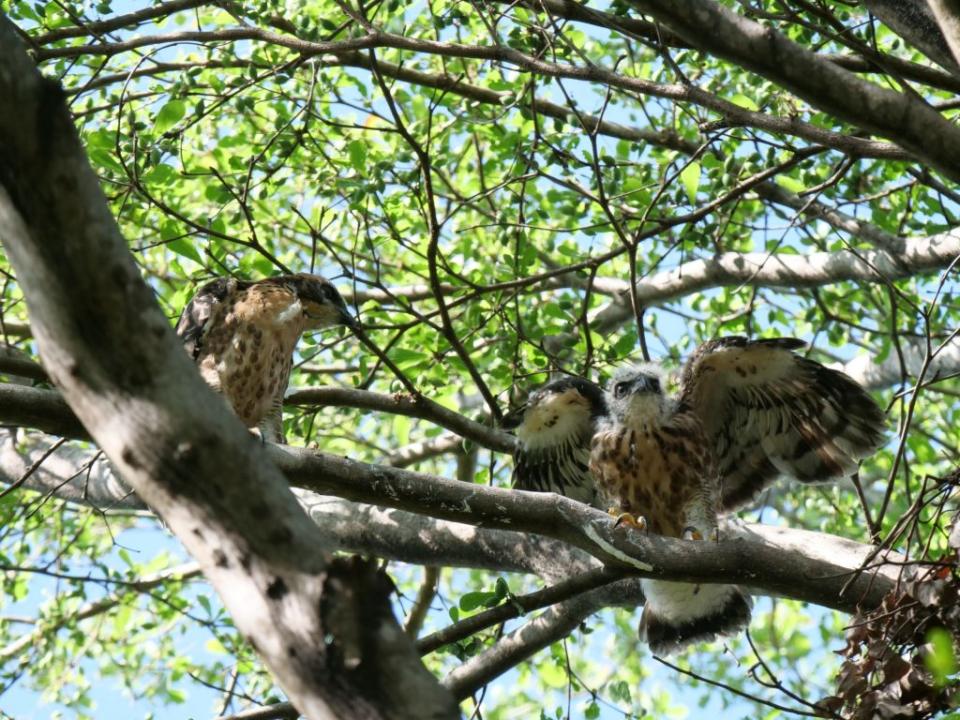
747	411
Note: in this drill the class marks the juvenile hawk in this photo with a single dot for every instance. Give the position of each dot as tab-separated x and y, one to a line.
242	336
553	430
748	410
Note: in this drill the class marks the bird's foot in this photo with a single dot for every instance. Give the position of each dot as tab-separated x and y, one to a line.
692	533
638	522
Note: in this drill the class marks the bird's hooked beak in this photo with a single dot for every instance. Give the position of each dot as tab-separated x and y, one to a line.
513	419
348	320
646	384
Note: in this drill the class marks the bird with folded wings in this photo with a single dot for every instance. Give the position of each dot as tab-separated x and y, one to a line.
747	411
242	336
554	428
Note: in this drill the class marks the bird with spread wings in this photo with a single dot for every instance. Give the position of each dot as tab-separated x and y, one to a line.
747	412
242	336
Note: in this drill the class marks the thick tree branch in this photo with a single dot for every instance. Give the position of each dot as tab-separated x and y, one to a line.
632	27
947	14
761	561
913	256
82	476
902	118
811	559
915	22
875	375
106	344
18	363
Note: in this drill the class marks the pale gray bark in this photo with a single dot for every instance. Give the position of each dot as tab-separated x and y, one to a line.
915	21
947	16
400	535
909	257
575	537
106	344
873	374
900	117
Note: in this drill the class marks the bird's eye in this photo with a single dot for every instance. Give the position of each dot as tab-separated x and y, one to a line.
654	384
620	389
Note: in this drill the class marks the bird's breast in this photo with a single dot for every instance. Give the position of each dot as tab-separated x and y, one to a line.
248	359
644	472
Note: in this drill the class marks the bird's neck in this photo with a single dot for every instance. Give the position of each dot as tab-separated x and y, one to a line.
646	412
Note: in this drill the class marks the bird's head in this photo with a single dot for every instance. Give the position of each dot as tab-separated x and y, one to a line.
322	304
635	395
557	412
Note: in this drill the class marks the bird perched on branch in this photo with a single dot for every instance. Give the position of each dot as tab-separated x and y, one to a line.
242	336
553	430
748	410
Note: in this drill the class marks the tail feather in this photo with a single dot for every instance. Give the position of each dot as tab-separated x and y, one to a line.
679	614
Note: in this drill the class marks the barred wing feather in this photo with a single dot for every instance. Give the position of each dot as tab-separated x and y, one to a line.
770	412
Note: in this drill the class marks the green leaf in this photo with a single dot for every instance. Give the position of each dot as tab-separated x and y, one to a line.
216	647
791	184
690	177
184	247
169	115
941	660
358	154
473	600
406	358
741	100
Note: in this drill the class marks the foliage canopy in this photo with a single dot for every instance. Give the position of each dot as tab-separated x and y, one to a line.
505	190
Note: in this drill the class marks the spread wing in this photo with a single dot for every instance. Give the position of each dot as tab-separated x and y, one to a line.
769	412
195	316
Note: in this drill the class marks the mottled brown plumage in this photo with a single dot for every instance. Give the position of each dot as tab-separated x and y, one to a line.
242	336
768	412
553	430
748	411
650	457
659	470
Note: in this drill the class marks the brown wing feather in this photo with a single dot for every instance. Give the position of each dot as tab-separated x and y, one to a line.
193	321
767	411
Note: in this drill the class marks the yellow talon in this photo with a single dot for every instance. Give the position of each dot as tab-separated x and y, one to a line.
638	522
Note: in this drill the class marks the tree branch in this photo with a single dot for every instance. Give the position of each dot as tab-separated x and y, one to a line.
914	255
98	607
766	558
418	407
106	344
904	119
553	624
